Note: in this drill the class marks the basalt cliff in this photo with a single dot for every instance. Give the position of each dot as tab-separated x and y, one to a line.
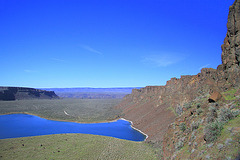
18	93
168	113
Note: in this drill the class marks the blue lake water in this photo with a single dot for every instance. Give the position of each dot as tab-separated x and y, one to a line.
24	125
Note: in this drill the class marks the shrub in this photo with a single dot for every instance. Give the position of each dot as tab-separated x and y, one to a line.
233	106
236	112
212	109
179	110
228	141
199	111
220	146
225	115
187	106
193	137
194	125
212	114
210	118
179	145
195	144
212	131
182	126
198	105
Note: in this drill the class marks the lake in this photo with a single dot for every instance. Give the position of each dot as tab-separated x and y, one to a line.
24	125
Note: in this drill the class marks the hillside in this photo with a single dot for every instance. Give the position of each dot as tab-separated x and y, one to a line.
156	109
205	130
18	93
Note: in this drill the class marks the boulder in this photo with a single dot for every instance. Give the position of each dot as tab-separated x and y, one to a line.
215	96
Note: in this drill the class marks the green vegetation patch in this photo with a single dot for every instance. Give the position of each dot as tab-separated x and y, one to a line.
182	126
227	145
73	146
230	95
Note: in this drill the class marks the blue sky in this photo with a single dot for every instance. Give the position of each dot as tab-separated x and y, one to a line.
108	43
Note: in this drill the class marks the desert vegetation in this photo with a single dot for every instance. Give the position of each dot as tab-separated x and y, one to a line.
206	130
79	110
74	146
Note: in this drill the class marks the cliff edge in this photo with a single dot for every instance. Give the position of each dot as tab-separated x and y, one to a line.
153	108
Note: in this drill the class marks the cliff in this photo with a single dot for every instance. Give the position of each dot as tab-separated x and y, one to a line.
208	127
153	108
231	46
18	93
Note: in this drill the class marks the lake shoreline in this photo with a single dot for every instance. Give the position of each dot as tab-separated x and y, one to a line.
81	122
136	129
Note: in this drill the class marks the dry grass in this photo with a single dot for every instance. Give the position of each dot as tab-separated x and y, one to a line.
73	146
80	110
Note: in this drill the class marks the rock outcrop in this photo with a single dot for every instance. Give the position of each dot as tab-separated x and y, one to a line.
215	96
18	93
231	46
153	108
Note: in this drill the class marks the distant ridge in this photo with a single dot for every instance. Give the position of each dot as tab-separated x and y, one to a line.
90	89
92	93
18	93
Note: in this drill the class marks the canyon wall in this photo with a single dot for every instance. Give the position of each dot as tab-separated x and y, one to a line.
153	108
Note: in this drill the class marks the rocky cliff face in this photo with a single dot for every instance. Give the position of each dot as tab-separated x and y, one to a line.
206	129
153	108
231	46
18	93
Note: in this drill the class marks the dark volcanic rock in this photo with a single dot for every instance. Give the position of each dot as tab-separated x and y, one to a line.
231	46
17	93
229	71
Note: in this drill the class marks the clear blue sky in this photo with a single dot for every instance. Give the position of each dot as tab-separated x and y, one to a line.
108	43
